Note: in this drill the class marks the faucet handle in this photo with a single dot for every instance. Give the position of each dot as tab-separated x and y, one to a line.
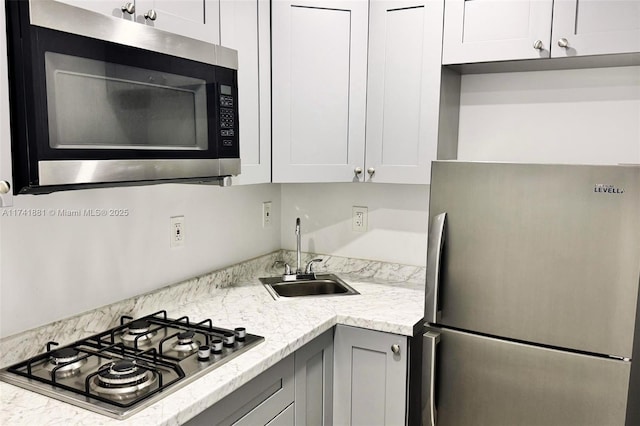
287	268
309	268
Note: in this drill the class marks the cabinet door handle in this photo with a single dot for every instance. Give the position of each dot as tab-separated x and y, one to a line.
151	15
538	45
4	187
357	171
563	42
129	8
371	171
395	348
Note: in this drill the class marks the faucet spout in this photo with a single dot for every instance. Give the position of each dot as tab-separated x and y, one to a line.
298	251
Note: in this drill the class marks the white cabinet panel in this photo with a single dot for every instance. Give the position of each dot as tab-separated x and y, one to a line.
104	7
403	91
244	26
503	30
495	30
198	19
319	81
320	85
595	27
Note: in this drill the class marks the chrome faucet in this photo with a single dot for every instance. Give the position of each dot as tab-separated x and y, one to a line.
298	251
291	274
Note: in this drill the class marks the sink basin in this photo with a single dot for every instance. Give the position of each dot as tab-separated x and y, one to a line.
321	285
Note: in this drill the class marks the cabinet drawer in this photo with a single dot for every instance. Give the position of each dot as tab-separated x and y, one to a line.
255	403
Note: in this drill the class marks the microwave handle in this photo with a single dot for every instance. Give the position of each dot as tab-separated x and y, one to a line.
430	341
434	258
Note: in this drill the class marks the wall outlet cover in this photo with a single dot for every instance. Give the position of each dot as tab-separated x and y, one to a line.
359	219
176	231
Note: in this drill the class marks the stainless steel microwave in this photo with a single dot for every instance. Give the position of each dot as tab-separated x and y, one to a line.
101	101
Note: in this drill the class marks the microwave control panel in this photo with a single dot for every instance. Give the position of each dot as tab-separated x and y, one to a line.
227	117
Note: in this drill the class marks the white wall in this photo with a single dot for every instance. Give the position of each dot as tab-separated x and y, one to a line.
573	116
56	266
398	216
587	116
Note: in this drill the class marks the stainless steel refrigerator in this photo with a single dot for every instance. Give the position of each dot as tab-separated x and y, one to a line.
532	307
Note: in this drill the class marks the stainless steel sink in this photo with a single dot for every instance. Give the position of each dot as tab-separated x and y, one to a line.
307	285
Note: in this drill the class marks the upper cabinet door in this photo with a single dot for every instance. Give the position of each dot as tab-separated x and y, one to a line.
595	27
403	95
496	30
199	19
244	26
319	89
116	8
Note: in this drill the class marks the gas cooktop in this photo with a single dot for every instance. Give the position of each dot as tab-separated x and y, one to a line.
124	369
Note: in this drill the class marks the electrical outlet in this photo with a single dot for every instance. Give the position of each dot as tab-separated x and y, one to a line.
359	221
266	214
176	231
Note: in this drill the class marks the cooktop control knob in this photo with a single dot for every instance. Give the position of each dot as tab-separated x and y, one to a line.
228	340
204	352
241	333
216	346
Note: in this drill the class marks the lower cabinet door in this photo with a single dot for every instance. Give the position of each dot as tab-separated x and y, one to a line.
256	403
314	382
370	377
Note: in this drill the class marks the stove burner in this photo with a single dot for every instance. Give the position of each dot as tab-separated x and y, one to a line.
67	359
60	356
186	343
140	330
123	379
186	337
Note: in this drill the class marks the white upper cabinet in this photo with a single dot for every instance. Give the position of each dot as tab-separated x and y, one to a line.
319	89
502	30
244	26
199	19
495	30
403	90
595	27
345	112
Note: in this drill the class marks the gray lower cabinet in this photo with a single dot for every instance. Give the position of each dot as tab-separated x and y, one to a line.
263	401
370	377
285	418
314	382
346	376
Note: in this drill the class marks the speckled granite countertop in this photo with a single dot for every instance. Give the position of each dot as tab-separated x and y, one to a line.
391	299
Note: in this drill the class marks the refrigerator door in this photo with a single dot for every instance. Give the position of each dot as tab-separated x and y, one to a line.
484	381
539	253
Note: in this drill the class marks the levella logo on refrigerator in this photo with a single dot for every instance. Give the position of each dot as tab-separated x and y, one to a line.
608	189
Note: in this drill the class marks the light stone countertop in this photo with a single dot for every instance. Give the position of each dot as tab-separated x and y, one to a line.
393	306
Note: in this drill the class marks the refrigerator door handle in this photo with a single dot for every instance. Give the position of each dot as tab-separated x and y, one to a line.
430	343
434	257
